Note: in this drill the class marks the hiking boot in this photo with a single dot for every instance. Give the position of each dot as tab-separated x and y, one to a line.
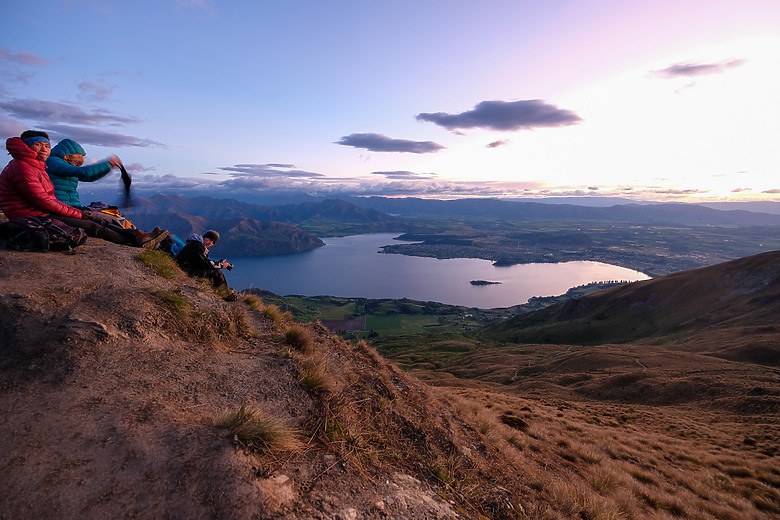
154	240
232	296
141	236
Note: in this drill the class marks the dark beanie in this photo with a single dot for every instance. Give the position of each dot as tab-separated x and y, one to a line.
211	235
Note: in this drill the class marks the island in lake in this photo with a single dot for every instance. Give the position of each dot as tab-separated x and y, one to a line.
483	282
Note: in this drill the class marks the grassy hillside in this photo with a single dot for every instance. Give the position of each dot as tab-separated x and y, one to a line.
727	301
661	391
131	390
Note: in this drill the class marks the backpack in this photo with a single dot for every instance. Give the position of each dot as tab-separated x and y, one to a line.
108	216
40	234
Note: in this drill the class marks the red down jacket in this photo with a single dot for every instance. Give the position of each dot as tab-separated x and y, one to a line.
25	187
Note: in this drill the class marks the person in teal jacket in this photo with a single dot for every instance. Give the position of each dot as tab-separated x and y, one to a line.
65	169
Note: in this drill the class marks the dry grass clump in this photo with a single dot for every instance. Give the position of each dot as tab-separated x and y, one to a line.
315	376
314	365
299	337
202	326
255	430
254	302
173	301
276	315
162	263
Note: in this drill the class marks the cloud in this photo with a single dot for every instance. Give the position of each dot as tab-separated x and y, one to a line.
53	112
268	170
773	191
23	58
740	190
505	115
98	137
95	92
248	187
401	175
381	143
697	69
267	189
496	144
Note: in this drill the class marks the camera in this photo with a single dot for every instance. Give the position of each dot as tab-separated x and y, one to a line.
228	266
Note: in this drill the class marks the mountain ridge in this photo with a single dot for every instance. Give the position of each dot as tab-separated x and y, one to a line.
309	216
642	213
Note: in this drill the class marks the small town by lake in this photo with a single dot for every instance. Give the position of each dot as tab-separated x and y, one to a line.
352	266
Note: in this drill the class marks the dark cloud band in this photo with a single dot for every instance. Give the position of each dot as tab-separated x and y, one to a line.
382	143
505	115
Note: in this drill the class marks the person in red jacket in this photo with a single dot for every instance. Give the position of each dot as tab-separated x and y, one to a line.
27	191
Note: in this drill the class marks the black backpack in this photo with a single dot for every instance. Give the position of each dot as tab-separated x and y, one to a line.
40	234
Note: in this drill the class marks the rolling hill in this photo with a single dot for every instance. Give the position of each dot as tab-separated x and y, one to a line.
734	303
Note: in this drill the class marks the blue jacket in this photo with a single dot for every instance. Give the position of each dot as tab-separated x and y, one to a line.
66	177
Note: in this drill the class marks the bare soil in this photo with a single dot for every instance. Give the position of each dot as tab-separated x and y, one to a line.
106	411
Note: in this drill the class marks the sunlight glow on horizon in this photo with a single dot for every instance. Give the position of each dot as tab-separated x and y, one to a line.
709	137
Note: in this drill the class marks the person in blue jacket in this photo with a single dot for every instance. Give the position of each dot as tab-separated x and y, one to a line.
65	168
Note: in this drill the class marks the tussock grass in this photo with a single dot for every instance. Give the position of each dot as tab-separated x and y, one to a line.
652	463
299	337
202	326
315	376
276	315
161	263
255	430
173	301
254	302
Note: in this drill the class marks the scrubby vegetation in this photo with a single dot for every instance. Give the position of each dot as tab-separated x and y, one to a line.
557	456
162	263
255	430
214	327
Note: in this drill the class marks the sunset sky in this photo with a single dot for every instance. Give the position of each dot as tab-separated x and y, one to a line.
666	100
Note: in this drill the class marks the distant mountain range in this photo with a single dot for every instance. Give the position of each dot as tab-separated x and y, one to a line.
253	229
670	213
305	214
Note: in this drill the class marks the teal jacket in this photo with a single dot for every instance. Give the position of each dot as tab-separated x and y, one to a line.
66	177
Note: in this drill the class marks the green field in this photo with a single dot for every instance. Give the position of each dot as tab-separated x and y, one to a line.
386	318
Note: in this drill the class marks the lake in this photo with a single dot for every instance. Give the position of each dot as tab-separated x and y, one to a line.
352	267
